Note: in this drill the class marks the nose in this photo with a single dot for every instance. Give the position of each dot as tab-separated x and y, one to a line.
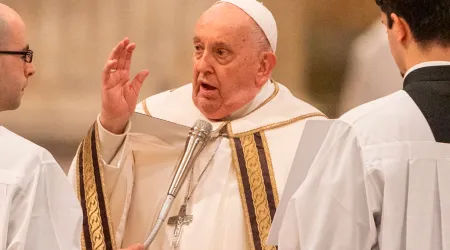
29	70
203	64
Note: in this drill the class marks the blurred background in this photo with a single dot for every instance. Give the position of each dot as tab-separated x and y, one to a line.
331	53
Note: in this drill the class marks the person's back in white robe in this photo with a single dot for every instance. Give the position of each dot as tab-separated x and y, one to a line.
38	207
380	180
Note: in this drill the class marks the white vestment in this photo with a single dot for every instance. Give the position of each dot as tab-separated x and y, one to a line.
137	183
380	181
38	207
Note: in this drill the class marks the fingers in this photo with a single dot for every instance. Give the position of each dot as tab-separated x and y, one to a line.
111	64
123	54
128	55
116	52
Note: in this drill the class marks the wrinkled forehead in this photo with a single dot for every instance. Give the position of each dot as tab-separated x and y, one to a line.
224	21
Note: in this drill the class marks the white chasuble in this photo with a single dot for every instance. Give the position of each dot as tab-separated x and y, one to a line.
232	206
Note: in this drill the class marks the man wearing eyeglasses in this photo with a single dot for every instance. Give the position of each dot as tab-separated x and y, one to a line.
15	64
38	208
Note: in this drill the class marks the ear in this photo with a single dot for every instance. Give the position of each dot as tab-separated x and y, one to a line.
401	29
267	64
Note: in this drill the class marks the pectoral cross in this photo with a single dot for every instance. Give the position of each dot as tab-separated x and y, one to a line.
179	221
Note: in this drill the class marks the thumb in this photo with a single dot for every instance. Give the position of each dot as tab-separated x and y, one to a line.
131	92
138	80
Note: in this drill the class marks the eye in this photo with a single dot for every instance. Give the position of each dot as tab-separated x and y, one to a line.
198	48
222	52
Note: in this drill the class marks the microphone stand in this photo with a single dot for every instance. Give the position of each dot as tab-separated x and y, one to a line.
196	142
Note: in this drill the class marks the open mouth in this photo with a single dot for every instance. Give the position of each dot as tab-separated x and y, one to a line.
206	86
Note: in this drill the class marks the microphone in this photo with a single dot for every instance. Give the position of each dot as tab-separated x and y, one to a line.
195	143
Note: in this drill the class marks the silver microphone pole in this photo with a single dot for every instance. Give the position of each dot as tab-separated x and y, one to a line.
195	143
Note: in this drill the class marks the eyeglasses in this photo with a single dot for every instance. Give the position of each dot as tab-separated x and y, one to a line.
27	56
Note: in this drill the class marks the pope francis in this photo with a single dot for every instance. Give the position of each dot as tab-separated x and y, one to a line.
230	196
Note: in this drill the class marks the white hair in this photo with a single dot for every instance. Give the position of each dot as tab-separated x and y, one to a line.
262	43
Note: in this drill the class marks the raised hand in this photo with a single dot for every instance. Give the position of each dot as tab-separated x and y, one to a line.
119	94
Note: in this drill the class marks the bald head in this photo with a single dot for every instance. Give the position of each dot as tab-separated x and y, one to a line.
14	69
8	17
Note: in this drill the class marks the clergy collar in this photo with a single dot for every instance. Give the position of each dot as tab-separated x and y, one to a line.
427	64
428	73
429	88
265	92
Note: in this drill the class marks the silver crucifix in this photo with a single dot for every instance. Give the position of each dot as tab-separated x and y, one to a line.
179	221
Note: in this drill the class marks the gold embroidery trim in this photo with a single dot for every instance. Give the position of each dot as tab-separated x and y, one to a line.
257	187
270	167
77	174
144	106
242	192
104	187
92	200
270	98
92	206
274	125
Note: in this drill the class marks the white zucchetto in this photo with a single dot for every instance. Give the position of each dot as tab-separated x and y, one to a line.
262	16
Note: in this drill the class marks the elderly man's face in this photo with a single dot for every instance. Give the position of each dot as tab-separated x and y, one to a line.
227	61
